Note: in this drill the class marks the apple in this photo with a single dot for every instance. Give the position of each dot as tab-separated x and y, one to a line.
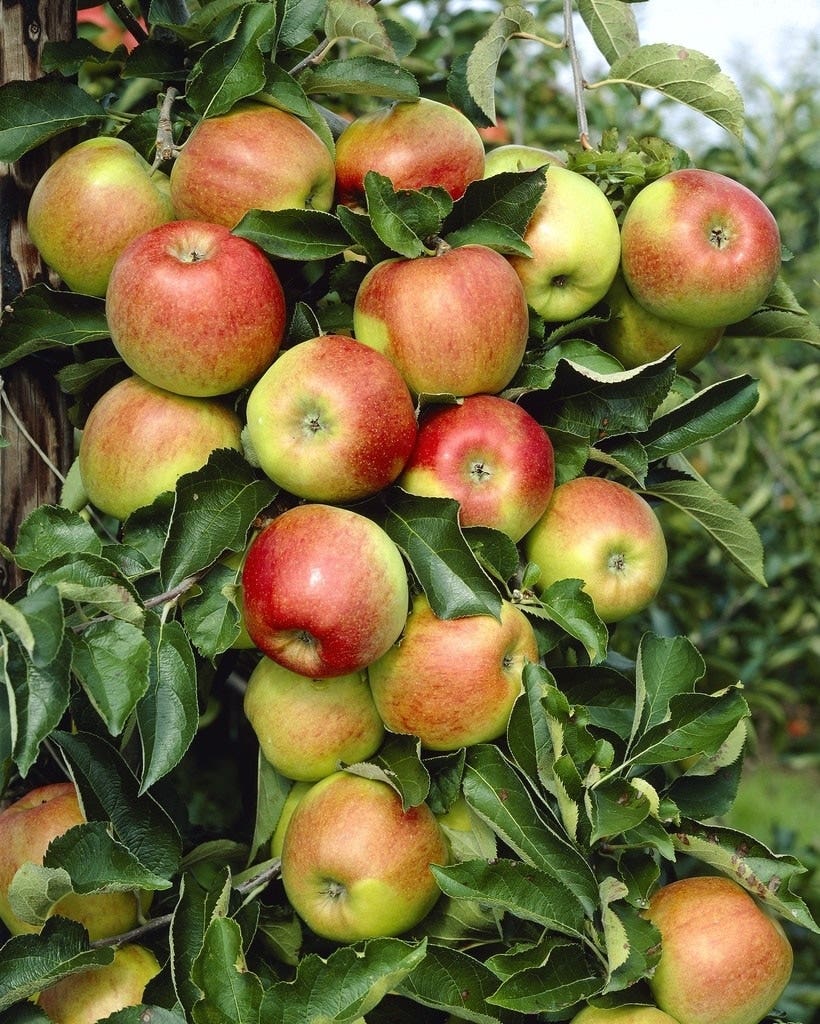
325	590
138	440
631	1013
355	865
490	455
414	143
515	157
605	534
195	309
308	728
331	420
724	960
255	157
106	32
295	794
92	995
89	204
453	682
454	323
27	827
635	336
699	248
576	247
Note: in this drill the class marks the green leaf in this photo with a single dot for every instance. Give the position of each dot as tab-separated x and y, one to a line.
452	981
210	614
37	621
570	607
356	19
189	920
428	532
632	943
302	235
35	890
50	531
684	75
37	699
496	207
281	90
369	76
482	63
780	316
698	723
96	862
272	790
110	659
231	994
616	807
91	580
494	551
612	25
33	112
41	318
360	229
297	20
404	218
665	668
566	977
398	763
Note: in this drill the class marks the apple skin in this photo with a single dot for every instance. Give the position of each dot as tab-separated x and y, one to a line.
576	247
605	534
255	157
455	323
317	430
724	960
489	454
514	157
92	995
699	248
635	336
139	440
626	1014
424	685
27	827
355	865
307	727
415	144
195	309
89	204
325	590
295	794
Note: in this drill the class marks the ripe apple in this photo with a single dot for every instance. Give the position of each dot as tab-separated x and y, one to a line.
635	336
453	682
90	203
455	323
255	157
295	794
605	534
490	455
576	247
195	309
92	995
325	590
514	157
355	865
414	143
625	1014
724	960
138	441
699	248
331	420
27	827
308	727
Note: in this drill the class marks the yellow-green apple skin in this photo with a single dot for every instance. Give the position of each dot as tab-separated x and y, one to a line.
491	456
138	440
576	247
325	590
635	336
90	203
27	827
627	1014
513	157
295	794
308	728
92	995
414	144
255	157
724	960
699	248
455	323
355	865
426	686
195	309
601	532
331	420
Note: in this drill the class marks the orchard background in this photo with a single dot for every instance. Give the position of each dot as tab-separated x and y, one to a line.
167	757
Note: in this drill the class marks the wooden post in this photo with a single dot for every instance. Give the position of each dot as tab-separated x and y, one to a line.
33	398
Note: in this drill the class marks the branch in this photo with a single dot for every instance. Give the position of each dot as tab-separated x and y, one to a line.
577	77
134	25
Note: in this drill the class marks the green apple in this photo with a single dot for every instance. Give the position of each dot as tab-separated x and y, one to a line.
699	248
355	864
724	960
605	534
92	995
139	439
513	157
576	247
90	203
453	682
632	1013
308	728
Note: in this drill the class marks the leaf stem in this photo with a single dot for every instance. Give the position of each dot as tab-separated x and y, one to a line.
578	82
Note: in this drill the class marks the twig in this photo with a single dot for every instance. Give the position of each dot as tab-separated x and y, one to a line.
577	77
166	148
134	25
4	398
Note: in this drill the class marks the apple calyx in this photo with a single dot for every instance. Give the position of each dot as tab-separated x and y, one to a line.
720	237
479	472
333	890
616	563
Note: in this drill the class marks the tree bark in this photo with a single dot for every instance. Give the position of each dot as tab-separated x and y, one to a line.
26	481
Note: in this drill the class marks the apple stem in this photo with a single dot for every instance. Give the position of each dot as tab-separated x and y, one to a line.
166	148
578	82
134	26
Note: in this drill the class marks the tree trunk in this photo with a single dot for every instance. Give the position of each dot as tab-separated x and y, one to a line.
30	402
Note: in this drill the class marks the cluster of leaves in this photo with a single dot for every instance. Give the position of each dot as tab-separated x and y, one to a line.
118	649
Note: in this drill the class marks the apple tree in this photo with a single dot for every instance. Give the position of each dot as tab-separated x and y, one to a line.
125	651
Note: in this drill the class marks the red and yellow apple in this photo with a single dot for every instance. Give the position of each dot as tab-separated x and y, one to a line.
195	309
295	794
138	440
455	323
355	865
630	1013
489	454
